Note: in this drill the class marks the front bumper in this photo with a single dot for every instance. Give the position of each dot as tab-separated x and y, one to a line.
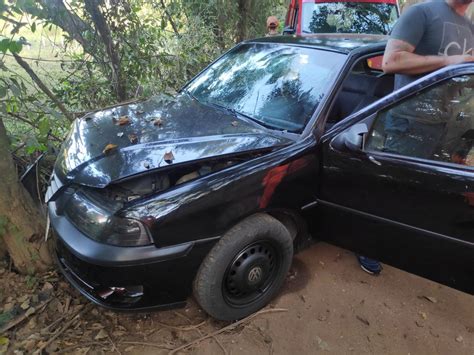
110	276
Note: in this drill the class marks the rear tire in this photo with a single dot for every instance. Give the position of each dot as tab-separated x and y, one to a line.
245	269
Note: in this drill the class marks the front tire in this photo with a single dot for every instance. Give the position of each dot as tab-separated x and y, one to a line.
245	269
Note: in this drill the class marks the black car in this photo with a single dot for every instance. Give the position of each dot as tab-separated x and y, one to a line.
208	191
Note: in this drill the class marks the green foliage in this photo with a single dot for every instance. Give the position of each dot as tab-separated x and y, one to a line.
9	45
31	281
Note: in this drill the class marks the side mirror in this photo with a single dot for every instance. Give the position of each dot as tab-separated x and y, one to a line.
288	30
352	138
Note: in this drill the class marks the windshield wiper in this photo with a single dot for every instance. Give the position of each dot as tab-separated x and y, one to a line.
187	92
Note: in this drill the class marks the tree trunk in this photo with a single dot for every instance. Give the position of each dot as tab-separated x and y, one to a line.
21	224
92	7
243	22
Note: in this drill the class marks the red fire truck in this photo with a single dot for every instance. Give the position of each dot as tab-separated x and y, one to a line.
341	16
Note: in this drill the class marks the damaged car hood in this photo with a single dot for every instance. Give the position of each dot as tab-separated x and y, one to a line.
118	143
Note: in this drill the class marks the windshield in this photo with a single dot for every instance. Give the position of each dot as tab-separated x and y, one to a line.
348	17
277	86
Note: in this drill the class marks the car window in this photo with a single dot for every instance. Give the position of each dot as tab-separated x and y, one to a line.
436	124
278	86
348	17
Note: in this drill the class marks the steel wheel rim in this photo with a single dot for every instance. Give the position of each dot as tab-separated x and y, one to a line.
251	273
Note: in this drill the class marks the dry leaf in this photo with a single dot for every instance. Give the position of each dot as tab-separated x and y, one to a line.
235	123
168	157
97	326
158	122
23	298
30	311
102	334
146	165
133	138
109	148
122	121
139	112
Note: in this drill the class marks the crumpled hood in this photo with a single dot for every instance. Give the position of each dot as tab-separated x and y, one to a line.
178	125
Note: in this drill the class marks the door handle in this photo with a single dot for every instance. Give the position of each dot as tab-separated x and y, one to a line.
375	161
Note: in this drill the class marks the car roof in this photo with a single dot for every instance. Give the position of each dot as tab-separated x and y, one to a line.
337	42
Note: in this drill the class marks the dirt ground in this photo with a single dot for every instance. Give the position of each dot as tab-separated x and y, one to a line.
328	305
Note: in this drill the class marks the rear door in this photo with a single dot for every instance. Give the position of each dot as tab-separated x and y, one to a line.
406	194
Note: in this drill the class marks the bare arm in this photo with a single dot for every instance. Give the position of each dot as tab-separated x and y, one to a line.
400	59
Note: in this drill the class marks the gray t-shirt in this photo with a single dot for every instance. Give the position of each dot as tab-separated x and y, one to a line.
433	28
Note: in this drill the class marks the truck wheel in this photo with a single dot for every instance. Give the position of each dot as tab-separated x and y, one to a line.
245	269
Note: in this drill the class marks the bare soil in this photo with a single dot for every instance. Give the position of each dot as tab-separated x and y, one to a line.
328	304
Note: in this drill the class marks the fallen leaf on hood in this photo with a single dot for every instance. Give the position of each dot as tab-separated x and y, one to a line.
123	121
140	112
168	157
109	148
235	123
133	138
146	165
158	122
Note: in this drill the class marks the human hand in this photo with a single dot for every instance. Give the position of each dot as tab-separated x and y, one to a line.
458	59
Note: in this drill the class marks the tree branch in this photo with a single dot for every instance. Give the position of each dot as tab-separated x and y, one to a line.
12	21
92	7
170	18
32	124
42	86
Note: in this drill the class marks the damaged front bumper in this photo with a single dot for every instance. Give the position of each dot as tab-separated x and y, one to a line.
126	278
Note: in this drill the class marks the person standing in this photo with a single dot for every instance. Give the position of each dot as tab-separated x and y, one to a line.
427	37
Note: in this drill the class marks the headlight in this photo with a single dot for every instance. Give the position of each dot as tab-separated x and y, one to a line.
87	214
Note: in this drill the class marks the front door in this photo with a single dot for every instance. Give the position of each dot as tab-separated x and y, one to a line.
406	195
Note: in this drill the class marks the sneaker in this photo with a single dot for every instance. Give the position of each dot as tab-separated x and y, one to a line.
370	266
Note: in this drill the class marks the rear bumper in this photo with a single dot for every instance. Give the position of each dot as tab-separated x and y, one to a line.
125	278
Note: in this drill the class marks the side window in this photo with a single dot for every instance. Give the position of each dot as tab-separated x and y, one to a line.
436	124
